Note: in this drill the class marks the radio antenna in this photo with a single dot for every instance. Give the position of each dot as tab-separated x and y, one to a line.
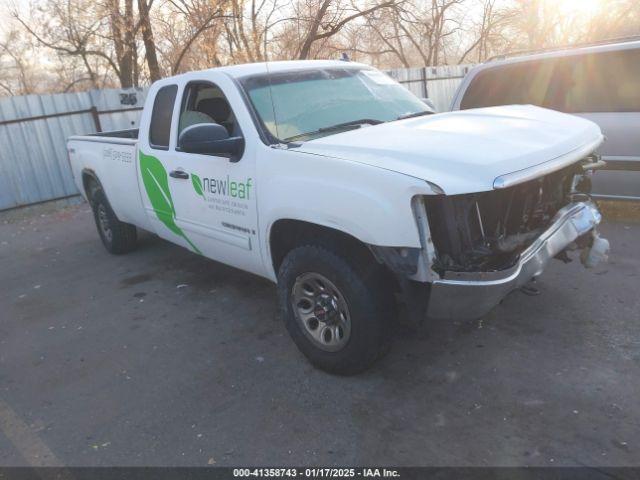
273	105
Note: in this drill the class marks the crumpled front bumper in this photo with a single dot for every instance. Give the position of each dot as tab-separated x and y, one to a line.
461	295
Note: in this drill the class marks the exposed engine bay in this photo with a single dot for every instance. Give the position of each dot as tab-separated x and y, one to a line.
487	231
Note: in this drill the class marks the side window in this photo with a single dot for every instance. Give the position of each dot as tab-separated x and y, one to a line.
520	83
572	84
160	129
494	86
206	103
561	85
595	89
482	91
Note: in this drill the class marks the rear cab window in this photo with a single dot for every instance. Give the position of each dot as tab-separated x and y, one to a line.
161	116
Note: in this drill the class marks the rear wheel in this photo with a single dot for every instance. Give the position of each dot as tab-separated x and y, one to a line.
337	313
117	237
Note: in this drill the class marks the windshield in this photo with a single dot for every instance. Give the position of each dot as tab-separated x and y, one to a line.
307	103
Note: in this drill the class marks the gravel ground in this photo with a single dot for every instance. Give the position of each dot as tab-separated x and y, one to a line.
161	357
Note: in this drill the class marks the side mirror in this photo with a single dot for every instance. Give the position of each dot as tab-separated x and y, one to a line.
210	139
427	101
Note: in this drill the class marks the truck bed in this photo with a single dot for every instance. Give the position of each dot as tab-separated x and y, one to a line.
120	137
131	134
110	157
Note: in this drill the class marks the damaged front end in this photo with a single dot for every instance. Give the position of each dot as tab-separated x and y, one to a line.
478	247
487	231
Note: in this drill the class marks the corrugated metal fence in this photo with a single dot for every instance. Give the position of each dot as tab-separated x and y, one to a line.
33	133
439	84
34	129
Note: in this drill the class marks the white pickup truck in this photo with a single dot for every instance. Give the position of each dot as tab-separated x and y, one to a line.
332	180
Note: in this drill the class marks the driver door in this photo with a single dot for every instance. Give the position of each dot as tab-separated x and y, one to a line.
214	195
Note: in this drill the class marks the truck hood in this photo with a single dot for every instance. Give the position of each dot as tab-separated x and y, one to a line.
470	150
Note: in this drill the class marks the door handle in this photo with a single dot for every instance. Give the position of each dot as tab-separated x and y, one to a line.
179	174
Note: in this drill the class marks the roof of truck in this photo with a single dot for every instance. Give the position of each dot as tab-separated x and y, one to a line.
246	69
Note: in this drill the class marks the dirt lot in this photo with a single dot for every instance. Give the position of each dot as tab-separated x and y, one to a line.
162	357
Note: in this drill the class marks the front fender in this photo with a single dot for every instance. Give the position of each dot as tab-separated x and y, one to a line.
371	204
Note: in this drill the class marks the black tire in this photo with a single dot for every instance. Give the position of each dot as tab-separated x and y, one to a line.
369	301
117	237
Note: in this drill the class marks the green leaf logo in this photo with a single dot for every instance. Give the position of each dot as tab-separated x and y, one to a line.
156	184
197	184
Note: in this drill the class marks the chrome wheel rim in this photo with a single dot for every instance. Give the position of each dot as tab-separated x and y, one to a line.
103	221
321	311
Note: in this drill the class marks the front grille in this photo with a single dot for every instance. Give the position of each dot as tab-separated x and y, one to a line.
487	231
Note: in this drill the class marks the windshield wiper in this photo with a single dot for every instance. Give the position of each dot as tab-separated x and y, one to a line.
338	126
352	123
415	114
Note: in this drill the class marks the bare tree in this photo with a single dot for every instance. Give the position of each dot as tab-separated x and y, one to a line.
329	18
80	29
191	19
88	30
103	43
247	31
416	32
17	73
151	55
489	31
123	38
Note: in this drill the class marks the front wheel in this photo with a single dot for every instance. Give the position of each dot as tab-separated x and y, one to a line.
337	313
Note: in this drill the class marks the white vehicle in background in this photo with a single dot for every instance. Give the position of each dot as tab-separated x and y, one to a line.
332	180
599	82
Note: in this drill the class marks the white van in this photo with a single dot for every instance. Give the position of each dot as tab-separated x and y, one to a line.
599	82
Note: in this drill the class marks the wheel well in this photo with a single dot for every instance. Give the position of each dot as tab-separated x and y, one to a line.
89	179
288	234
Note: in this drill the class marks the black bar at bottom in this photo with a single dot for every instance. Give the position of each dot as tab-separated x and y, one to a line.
405	473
